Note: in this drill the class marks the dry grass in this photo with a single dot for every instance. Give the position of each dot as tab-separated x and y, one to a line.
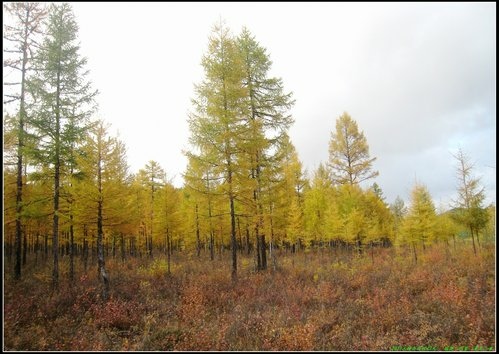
313	301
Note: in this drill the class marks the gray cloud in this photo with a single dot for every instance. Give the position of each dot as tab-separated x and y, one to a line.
419	78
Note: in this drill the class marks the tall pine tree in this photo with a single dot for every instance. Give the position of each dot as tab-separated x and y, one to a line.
64	101
21	36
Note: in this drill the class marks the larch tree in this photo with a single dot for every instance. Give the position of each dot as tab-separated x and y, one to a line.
351	207
446	227
22	39
201	185
287	193
154	180
64	101
316	200
379	219
420	223
398	210
217	126
349	158
268	119
104	179
471	195
168	204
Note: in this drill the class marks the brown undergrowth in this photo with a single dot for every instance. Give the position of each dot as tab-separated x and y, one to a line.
313	301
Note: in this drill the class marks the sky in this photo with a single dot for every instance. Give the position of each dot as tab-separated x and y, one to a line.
418	78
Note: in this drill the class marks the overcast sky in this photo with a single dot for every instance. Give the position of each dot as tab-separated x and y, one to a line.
419	79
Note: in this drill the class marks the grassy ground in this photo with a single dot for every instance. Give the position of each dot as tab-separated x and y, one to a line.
314	301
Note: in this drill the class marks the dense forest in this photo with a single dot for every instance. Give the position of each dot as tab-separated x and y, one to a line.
250	253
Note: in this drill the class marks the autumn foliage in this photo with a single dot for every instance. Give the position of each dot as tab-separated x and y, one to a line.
313	301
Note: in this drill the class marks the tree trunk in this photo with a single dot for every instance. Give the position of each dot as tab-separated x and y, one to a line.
122	244
240	236
25	248
102	273
103	276
37	248
415	255
46	246
247	240
212	246
20	147
233	237
168	250
71	250
258	249
263	252
198	240
57	170
473	240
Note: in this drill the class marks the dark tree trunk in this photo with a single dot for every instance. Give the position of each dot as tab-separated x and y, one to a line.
233	238
258	252
71	250
212	245
248	246
25	248
240	236
168	250
198	240
122	244
46	246
473	240
263	252
20	147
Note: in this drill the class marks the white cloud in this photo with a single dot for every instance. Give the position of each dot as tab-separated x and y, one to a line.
419	78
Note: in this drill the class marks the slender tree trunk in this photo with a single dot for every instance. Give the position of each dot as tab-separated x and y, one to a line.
57	171
55	233
212	246
37	248
20	148
273	256
102	273
25	248
359	245
263	252
85	248
122	244
71	250
258	249
46	246
198	241
473	240
168	249
240	236
232	226
247	240
103	276
414	250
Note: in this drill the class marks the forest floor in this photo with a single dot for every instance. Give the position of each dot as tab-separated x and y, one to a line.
313	301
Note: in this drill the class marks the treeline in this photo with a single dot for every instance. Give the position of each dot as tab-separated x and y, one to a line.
69	192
